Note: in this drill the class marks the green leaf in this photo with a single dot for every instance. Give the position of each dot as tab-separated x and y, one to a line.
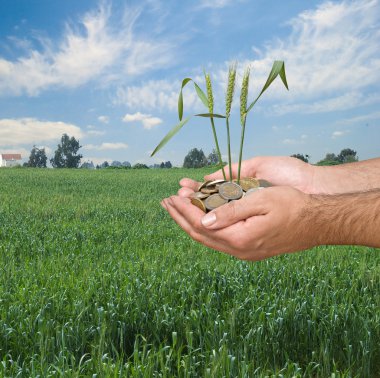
210	115
283	75
201	94
180	105
185	81
170	134
278	68
180	98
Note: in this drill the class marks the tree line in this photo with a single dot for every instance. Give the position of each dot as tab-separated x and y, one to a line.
67	156
347	155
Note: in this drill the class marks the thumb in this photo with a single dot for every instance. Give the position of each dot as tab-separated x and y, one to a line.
235	211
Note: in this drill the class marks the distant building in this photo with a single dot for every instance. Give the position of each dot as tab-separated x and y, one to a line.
10	160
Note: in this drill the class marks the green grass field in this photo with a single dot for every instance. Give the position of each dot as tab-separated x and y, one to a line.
97	279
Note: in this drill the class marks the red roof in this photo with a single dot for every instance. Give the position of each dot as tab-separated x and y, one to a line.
11	156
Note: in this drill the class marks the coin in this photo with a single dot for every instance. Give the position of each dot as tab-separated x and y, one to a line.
209	190
230	191
203	185
199	195
212	183
249	183
252	190
265	183
214	201
198	203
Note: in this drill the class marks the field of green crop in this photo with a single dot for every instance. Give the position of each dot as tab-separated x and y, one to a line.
97	279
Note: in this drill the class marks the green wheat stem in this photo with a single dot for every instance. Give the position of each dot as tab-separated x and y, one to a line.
229	147
229	99
217	148
210	99
241	147
243	115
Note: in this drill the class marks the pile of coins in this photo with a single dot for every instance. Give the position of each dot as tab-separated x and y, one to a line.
212	194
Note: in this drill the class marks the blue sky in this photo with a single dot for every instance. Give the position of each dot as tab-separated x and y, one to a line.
109	73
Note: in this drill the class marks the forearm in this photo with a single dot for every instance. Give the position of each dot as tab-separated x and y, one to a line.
346	178
350	219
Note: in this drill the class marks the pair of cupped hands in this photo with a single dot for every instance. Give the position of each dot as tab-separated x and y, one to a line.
266	223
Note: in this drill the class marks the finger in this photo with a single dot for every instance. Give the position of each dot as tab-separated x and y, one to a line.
189	183
189	220
163	204
235	211
223	239
185	192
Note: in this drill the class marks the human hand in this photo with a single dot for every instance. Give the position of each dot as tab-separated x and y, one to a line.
260	225
280	171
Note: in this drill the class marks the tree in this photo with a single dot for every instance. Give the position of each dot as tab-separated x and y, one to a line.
126	164
347	156
302	157
105	164
195	159
140	166
37	158
166	164
116	163
88	165
330	159
66	155
212	158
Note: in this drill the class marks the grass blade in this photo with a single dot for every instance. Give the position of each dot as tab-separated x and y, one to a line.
180	98
170	135
201	94
278	68
210	115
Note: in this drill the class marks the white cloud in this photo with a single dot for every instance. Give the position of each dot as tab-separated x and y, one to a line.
104	119
106	146
336	103
331	58
291	141
99	47
147	120
151	95
332	52
157	94
217	3
358	119
339	133
145	56
21	131
93	131
97	160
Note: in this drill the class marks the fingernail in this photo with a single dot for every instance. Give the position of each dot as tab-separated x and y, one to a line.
208	219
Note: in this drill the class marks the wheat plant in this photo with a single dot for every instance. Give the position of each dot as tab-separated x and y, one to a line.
278	69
